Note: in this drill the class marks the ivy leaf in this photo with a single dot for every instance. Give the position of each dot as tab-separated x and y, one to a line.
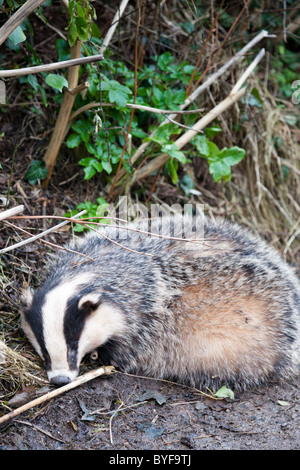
17	36
220	164
174	152
56	81
37	171
82	28
225	392
172	167
72	34
117	93
73	141
91	167
201	144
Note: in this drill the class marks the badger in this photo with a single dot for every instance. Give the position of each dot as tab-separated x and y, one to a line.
219	309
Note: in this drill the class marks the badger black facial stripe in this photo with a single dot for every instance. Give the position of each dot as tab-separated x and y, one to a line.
33	315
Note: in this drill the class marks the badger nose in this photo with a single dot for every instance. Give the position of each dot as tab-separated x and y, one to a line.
60	380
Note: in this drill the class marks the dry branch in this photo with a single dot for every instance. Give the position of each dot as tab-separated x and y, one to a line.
63	116
113	26
11	212
42	234
104	370
50	67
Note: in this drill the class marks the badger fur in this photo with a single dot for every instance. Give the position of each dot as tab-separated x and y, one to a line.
226	311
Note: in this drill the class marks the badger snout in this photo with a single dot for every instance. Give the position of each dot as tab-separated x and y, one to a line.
59	380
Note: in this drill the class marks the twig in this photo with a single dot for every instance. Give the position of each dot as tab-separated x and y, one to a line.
49	67
11	212
113	26
105	370
150	109
39	235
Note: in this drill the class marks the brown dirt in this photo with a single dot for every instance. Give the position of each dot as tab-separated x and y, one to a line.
259	419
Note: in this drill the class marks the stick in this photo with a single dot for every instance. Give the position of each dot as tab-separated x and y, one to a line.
63	117
49	67
104	370
113	26
11	212
36	237
18	17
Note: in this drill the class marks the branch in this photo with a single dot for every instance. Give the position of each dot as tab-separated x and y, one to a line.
36	237
11	212
63	117
105	370
113	26
49	67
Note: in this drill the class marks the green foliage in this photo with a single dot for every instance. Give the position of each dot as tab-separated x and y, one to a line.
81	17
56	81
220	161
93	210
36	172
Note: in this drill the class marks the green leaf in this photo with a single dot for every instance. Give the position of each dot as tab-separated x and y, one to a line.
92	166
201	143
56	81
225	392
221	163
82	28
17	36
73	141
72	34
117	93
172	167
174	152
36	171
165	60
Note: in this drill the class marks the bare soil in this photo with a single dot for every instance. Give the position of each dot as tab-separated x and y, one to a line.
87	418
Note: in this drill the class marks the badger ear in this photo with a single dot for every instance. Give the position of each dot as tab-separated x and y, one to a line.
26	298
89	303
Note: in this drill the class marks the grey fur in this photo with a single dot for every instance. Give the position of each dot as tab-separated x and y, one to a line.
234	287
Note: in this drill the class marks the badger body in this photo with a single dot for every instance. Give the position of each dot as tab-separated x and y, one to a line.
225	310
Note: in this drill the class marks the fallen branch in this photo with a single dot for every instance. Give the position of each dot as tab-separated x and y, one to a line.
36	237
150	109
104	370
50	67
11	212
113	25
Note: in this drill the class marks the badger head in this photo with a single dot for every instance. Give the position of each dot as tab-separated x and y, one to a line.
67	322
